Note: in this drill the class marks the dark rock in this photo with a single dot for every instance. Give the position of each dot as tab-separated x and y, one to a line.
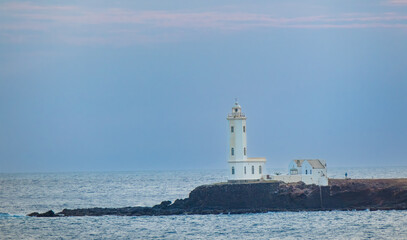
163	204
33	214
50	213
235	198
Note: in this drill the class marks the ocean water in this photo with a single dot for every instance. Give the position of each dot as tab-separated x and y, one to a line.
21	194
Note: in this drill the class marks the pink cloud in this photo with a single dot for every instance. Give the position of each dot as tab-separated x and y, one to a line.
199	19
115	24
397	2
31	7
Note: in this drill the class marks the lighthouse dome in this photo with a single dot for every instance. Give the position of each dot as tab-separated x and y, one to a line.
237	105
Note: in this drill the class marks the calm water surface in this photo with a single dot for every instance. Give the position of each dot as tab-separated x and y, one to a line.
24	193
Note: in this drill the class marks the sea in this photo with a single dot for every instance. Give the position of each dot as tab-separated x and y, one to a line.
23	193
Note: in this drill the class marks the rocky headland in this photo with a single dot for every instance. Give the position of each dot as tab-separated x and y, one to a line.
236	198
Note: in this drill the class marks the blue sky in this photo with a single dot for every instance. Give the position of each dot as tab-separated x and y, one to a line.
146	85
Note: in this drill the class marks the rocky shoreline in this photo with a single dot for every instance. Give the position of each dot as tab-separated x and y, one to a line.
238	198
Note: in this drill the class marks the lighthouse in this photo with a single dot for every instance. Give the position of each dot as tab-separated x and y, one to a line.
241	168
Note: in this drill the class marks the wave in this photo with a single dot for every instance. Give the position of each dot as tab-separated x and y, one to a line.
8	215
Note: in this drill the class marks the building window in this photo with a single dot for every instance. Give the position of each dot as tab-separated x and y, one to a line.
233	170
232	151
259	169
244	128
232	129
252	169
306	171
244	149
310	171
245	170
235	109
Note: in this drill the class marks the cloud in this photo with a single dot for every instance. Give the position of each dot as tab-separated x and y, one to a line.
83	25
24	6
397	2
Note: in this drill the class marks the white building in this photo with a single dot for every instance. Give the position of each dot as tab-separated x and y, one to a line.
309	171
241	168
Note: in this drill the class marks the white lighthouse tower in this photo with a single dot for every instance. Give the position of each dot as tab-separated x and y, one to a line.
241	168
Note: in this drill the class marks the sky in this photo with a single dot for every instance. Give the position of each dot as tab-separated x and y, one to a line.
146	85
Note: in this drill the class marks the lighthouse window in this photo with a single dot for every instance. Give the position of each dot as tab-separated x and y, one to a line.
232	129
244	128
259	169
252	169
244	151
233	170
233	151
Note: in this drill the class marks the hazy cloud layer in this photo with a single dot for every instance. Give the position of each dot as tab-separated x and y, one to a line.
83	25
397	2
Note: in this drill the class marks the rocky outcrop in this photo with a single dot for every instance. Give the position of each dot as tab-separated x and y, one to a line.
341	194
50	213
